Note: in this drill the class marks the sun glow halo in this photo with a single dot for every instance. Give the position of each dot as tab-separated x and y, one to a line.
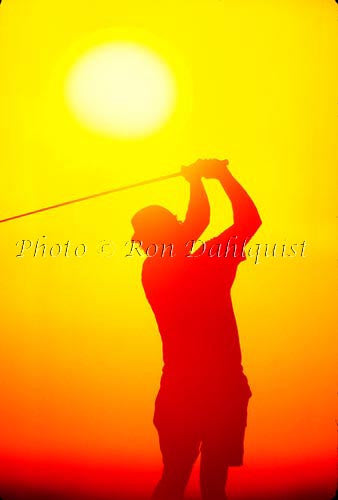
121	89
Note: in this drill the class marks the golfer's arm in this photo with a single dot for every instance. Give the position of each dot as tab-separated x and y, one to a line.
245	213
198	214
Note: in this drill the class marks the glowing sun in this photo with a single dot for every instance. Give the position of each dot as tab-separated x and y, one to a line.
121	89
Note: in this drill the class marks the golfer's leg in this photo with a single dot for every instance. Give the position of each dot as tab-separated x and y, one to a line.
179	451
222	446
213	472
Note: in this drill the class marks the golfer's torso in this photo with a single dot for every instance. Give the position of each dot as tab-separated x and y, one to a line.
191	300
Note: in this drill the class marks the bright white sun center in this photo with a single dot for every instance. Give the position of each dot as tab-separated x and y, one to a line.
121	89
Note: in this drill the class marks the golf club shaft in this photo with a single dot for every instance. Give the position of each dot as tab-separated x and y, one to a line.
91	196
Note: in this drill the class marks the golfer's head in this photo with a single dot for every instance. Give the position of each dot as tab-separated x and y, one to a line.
155	224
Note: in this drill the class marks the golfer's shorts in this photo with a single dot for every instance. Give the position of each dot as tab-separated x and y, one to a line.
215	418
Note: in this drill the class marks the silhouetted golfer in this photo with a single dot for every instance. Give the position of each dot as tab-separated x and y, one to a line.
202	402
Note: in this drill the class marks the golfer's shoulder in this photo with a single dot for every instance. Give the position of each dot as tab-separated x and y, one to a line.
155	266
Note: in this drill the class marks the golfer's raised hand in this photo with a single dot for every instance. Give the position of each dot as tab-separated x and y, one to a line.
214	169
192	172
